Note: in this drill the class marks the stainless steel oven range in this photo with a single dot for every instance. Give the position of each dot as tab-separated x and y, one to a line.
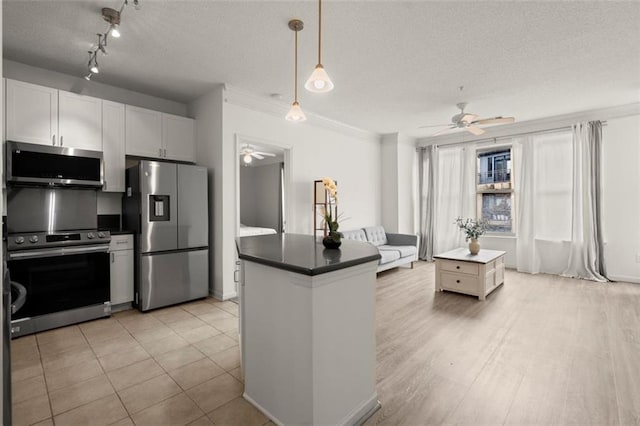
55	251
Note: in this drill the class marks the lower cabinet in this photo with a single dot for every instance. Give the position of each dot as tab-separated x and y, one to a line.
121	256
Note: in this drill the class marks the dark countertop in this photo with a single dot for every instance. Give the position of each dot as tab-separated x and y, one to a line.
119	231
304	254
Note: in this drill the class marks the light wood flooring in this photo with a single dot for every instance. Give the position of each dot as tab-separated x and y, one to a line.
540	350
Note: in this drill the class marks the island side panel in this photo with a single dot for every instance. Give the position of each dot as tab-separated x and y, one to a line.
344	345
277	344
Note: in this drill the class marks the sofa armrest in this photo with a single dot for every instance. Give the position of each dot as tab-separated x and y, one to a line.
402	239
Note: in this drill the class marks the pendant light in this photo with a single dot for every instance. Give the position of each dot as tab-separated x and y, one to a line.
296	114
319	81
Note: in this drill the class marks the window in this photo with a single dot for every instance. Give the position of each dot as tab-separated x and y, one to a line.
495	189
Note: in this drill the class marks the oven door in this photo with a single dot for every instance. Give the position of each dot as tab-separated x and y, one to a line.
61	279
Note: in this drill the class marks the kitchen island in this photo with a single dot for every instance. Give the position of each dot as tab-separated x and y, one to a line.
308	329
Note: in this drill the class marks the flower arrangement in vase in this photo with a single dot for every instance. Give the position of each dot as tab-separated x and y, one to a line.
473	229
330	215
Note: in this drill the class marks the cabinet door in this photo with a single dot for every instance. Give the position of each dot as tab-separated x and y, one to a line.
143	132
121	276
113	146
178	138
79	121
32	113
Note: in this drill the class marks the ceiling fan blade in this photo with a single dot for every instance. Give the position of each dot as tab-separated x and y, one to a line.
495	120
433	125
258	156
475	130
441	131
266	154
468	118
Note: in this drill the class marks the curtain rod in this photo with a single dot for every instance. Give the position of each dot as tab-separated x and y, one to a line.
497	138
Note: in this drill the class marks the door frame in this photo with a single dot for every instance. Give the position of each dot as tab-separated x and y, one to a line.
241	140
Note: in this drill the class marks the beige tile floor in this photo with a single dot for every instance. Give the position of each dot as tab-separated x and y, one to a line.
173	366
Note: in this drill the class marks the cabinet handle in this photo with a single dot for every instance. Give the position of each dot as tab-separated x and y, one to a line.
61	140
165	153
113	258
53	139
160	152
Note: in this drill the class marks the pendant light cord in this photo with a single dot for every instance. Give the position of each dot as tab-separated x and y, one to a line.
295	73
319	31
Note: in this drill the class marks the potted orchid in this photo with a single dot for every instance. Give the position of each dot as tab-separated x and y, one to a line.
473	229
330	215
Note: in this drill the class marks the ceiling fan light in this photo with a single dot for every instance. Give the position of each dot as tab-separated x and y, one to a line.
247	158
319	81
296	114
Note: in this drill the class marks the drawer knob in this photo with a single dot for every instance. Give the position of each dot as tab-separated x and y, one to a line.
458	281
457	267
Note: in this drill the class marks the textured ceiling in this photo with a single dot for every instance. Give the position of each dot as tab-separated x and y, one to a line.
396	65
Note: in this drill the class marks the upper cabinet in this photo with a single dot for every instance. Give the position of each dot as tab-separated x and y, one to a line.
113	146
143	132
178	137
158	135
80	121
32	113
46	116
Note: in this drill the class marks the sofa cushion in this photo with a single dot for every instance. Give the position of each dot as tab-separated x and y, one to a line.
403	250
388	256
376	235
355	234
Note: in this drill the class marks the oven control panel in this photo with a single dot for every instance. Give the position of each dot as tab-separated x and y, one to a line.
57	239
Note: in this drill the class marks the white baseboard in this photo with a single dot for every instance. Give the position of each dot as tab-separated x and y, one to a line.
223	296
259	407
624	278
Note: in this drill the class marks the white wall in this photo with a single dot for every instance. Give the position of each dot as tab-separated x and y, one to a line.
260	196
398	191
77	84
315	151
208	112
621	197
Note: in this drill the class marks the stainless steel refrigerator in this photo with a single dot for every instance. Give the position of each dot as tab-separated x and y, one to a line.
166	206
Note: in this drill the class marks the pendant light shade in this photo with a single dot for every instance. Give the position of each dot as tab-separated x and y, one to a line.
319	81
295	114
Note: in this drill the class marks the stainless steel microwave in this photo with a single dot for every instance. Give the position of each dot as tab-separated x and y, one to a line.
42	165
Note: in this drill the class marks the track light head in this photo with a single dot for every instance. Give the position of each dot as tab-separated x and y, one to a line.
88	76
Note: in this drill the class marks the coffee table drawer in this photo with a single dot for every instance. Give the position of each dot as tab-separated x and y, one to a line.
459	267
458	282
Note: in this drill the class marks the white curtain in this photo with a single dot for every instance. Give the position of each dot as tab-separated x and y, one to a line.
455	194
427	166
586	252
542	171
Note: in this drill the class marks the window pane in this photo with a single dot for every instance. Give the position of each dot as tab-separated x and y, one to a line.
496	210
494	167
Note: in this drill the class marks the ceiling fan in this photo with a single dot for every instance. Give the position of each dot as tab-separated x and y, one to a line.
469	122
248	153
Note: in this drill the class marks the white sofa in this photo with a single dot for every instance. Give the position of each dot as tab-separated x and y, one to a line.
395	249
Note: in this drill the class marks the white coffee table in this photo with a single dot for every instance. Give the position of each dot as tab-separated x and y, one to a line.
478	275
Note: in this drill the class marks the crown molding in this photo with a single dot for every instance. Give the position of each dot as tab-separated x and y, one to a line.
249	100
537	125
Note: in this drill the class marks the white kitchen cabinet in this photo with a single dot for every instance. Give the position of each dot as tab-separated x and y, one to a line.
121	256
79	121
113	147
46	116
178	138
31	113
143	136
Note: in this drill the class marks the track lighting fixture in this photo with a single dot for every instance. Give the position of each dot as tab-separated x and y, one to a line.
296	114
319	81
112	17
